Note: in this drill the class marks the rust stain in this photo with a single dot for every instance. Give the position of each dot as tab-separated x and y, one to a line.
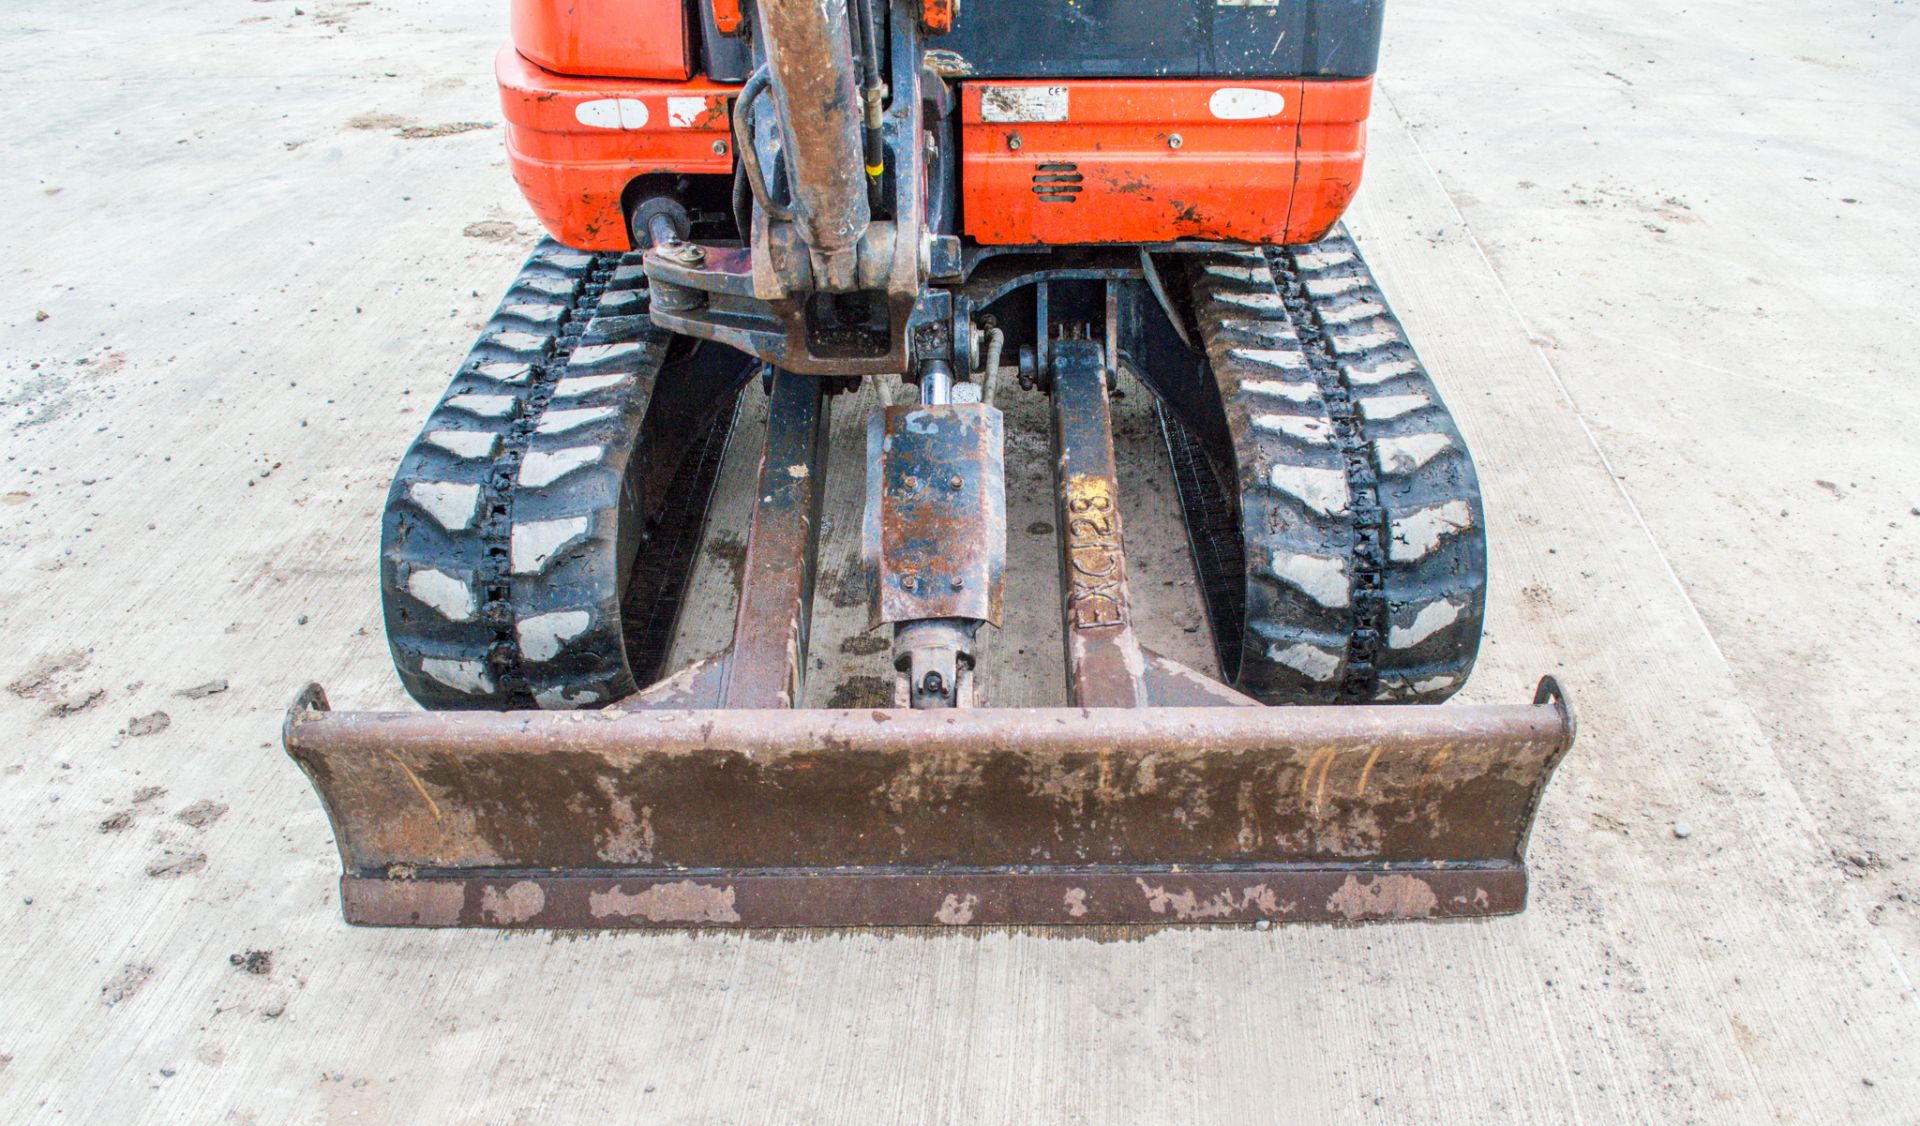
421	905
686	901
520	902
1384	897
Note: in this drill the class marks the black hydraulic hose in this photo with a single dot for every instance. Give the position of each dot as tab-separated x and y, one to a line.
866	48
743	146
743	204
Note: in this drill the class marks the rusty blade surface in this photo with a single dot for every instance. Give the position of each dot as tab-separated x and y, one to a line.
800	811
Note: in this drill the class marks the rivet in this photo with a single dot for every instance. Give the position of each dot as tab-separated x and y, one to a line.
959	583
720	148
1013	140
1174	141
956	481
909	583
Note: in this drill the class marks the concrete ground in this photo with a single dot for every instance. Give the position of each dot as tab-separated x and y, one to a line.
1660	259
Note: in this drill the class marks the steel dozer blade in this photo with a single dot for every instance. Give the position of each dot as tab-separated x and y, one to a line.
902	817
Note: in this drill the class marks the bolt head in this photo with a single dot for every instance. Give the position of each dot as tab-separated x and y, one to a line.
959	583
1013	141
909	583
956	481
685	253
720	148
1174	141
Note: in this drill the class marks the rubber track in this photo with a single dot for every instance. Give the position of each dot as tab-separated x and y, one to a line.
513	523
657	582
1213	532
1362	552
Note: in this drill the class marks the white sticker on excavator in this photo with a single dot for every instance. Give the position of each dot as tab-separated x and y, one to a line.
612	113
686	112
1012	105
1244	103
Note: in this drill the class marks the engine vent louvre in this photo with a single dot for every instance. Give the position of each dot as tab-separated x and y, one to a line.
1057	182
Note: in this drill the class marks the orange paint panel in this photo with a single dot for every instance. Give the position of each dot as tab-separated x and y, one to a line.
574	144
1148	160
612	38
727	17
1333	149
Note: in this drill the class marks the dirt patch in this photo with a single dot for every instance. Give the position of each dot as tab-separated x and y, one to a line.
77	704
125	984
857	692
336	18
408	129
370	122
258	962
444	129
201	813
153	723
174	865
731	550
45	678
492	230
145	794
31	683
51	394
865	644
847	587
118	823
202	691
51	680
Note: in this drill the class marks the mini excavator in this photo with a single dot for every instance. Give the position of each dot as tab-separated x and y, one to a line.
1007	197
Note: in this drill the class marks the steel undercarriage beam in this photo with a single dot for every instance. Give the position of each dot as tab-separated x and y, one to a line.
767	665
1106	667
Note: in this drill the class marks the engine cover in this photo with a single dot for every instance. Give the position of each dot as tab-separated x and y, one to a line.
1158	160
